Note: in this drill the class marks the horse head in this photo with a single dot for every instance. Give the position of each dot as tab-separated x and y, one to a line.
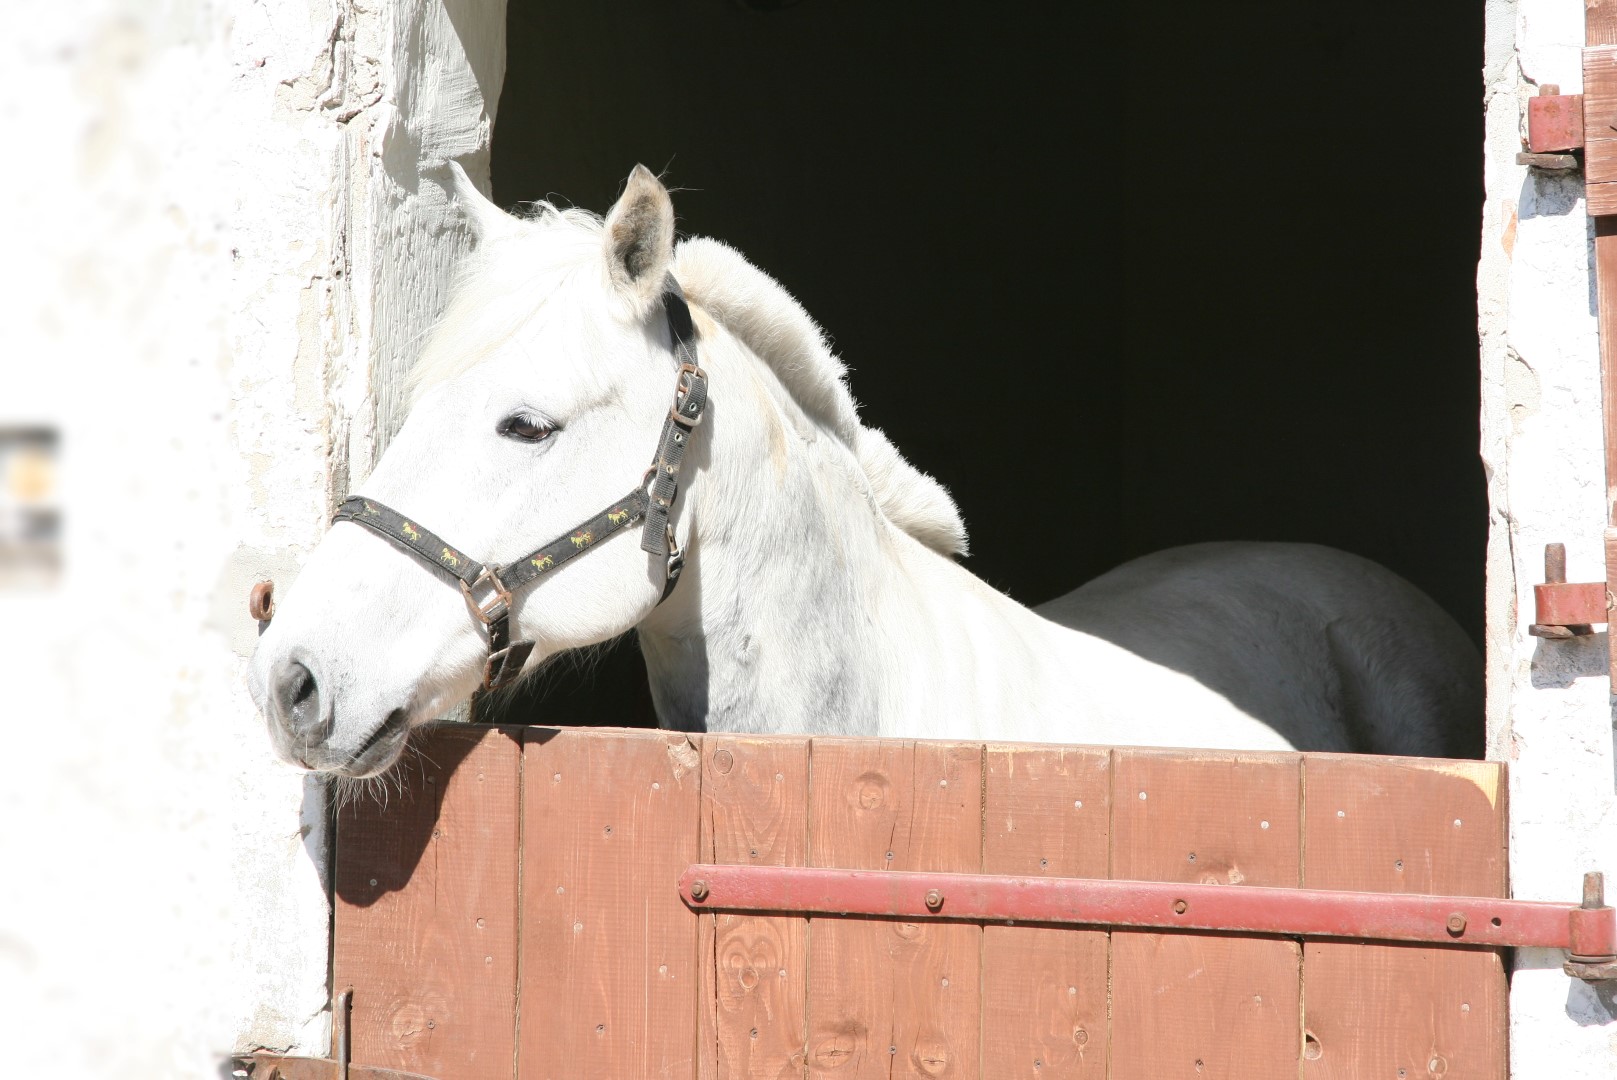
541	397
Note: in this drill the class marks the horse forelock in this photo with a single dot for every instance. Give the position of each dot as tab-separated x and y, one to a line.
547	255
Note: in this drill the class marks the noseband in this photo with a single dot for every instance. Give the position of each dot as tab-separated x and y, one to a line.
488	589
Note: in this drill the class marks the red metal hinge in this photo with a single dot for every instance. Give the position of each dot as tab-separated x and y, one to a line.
1588	933
1554	129
1562	609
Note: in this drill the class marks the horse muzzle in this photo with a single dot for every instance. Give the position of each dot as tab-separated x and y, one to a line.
302	715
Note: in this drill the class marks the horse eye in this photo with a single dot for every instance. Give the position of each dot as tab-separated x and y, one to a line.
525	428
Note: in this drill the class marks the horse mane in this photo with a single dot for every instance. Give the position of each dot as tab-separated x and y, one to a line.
509	274
766	318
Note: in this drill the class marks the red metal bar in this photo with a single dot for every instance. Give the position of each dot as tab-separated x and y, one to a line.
1465	920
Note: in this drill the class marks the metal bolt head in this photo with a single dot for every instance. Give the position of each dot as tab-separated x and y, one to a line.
699	890
1456	924
261	601
934	899
1180	907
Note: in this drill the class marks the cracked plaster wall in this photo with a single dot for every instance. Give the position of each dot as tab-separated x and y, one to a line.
1550	712
225	242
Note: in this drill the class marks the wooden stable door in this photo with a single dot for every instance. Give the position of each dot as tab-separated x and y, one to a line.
513	913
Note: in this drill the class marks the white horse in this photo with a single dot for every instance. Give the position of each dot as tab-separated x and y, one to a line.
820	591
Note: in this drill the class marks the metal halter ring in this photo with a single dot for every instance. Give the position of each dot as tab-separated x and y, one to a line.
495	607
682	395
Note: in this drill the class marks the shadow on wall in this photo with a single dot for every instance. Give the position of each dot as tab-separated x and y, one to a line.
1558	664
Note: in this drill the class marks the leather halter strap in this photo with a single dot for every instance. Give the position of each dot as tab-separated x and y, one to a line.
488	588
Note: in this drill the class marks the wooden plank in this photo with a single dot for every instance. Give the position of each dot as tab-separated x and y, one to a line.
1204	1006
609	979
1046	812
1599	113
1415	826
425	919
889	998
754	968
1600	22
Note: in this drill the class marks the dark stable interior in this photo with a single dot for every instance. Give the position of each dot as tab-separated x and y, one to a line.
1121	276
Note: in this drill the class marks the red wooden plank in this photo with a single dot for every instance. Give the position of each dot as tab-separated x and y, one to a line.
754	968
1045	813
1205	1007
894	998
609	979
426	908
1403	826
1599	113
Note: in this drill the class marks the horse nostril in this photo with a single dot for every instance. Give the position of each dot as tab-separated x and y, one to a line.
297	703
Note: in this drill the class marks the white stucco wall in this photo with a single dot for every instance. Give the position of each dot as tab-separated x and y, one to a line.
1550	713
221	246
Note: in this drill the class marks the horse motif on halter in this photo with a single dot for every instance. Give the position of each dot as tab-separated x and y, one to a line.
543	563
582	539
618	516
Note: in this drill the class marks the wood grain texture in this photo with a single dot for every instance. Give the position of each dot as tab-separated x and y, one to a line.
1046	814
1205	1006
1194	1006
754	968
1610	536
1600	22
1599	114
888	998
425	919
609	979
1414	826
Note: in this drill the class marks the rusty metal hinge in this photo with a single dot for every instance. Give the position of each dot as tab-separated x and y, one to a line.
281	1067
1562	609
1554	130
1587	933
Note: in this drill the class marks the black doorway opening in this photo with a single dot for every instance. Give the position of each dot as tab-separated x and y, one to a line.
1201	273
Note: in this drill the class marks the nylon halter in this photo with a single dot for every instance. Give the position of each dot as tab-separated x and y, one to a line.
488	588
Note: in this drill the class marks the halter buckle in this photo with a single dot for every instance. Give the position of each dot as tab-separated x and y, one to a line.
676	558
682	391
497	606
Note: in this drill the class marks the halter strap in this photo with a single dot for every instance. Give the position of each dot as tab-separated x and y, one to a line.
488	589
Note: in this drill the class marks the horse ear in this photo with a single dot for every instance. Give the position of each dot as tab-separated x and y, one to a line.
485	218
640	235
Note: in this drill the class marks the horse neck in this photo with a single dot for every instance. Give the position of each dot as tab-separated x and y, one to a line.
802	609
